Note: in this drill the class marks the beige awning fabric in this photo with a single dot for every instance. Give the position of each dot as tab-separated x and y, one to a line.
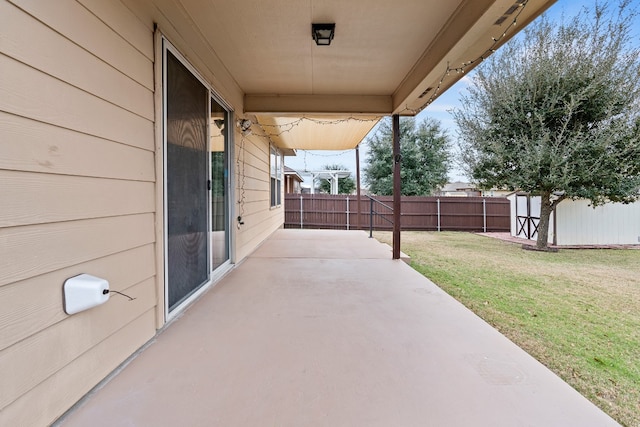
317	132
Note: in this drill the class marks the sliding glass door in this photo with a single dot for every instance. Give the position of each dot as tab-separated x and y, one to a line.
197	181
219	185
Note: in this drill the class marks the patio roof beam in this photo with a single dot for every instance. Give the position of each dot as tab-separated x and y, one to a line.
465	37
429	66
318	104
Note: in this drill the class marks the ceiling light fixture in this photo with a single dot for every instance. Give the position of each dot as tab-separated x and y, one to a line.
323	33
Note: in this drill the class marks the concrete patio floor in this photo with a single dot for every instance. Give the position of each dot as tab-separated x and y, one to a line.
322	328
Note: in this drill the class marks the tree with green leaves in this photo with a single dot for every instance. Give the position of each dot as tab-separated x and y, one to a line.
556	113
346	185
424	148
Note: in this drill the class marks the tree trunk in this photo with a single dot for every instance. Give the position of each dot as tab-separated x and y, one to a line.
543	226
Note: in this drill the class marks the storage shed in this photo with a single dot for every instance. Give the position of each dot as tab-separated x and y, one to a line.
576	222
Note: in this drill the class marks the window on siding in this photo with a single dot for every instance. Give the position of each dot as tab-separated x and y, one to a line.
276	176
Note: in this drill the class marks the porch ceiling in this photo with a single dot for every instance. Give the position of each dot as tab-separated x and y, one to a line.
384	58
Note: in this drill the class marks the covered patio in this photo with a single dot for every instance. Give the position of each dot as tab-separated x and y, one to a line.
323	328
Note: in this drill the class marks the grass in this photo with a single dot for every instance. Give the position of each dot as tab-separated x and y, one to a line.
576	311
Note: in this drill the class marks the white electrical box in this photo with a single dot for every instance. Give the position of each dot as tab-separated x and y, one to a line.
83	292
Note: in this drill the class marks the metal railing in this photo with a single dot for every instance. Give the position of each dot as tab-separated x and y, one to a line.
373	212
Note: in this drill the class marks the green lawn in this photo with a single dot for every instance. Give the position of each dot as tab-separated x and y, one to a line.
576	311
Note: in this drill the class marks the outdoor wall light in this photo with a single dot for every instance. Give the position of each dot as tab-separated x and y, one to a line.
323	33
245	126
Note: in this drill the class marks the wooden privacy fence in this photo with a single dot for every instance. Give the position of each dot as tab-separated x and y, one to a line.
479	214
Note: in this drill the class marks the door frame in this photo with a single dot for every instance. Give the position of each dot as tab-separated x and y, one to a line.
165	45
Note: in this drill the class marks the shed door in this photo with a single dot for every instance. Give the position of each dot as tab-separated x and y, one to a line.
527	216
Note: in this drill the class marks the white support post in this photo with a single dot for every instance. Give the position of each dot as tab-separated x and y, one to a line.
484	215
301	212
438	214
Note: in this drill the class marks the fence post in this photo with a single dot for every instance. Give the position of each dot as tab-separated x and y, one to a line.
301	212
347	213
484	215
370	217
438	214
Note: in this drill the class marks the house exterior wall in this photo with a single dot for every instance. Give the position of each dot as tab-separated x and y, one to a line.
291	184
610	224
81	176
252	194
78	196
496	193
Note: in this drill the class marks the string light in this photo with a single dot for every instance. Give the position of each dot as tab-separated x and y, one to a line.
341	153
288	127
331	155
465	65
240	168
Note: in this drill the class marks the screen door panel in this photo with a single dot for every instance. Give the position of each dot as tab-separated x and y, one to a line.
186	174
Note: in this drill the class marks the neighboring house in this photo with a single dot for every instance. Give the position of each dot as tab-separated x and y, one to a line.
576	223
292	181
458	189
141	142
496	192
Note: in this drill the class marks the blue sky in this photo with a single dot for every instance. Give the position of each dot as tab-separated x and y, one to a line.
439	109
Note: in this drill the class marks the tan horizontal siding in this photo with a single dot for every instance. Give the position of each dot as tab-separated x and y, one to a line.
31	305
79	25
256	158
255	185
25	364
78	195
260	220
254	235
258	172
256	169
37	249
53	396
29	145
257	223
119	18
27	92
94	76
255	198
259	175
36	198
180	30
